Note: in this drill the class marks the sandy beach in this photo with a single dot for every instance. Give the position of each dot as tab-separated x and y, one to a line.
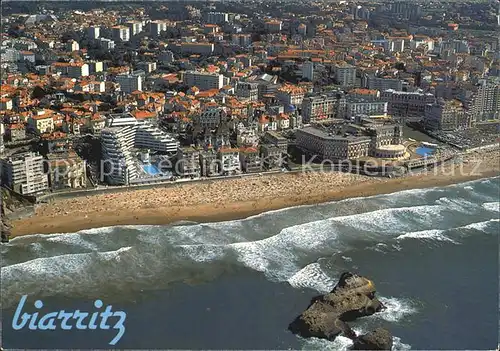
236	198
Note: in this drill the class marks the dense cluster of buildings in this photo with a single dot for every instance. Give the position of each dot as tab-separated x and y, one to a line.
104	93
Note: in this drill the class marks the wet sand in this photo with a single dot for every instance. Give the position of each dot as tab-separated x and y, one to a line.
235	198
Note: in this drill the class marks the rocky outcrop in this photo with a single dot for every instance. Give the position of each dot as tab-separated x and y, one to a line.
5	225
353	297
378	339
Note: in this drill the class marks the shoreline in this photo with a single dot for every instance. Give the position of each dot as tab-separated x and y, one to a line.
134	207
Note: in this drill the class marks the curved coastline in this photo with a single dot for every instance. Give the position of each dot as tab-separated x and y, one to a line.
232	199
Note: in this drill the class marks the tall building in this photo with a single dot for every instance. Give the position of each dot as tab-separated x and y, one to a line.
121	33
188	162
273	26
308	70
156	27
129	82
345	75
94	32
118	161
243	40
78	69
118	148
485	101
24	173
135	27
217	17
2	133
107	44
203	80
72	46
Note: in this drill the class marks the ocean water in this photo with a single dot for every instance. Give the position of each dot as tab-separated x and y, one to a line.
432	253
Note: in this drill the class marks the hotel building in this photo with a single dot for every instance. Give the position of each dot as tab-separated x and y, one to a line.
332	147
406	104
119	144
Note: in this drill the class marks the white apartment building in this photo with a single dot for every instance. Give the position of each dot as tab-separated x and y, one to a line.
96	66
485	100
318	108
378	83
345	74
119	144
2	133
134	26
308	70
107	44
24	173
147	136
203	80
78	69
243	40
129	82
121	33
147	67
229	161
156	27
94	32
72	46
119	166
396	45
217	17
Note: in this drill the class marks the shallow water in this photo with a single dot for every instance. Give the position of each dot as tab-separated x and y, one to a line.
433	254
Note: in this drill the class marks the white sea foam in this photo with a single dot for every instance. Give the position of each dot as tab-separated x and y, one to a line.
492	206
203	253
74	239
390	219
313	277
482	226
48	275
114	255
459	204
31	237
432	234
276	256
397	309
342	343
398	345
